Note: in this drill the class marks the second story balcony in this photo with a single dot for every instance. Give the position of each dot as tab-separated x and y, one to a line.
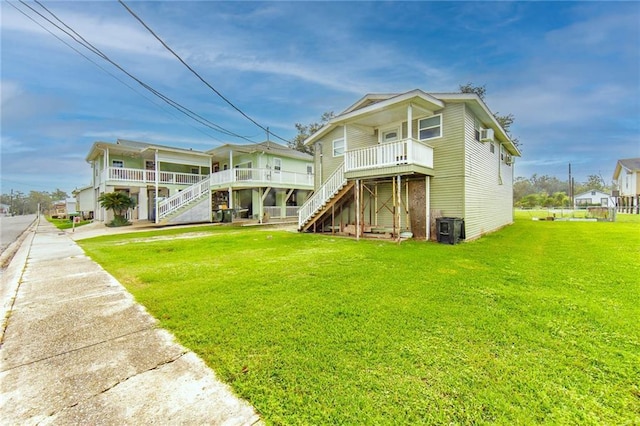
126	175
404	156
252	177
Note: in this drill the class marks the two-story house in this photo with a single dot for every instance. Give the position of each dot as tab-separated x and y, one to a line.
391	164
175	185
261	181
626	178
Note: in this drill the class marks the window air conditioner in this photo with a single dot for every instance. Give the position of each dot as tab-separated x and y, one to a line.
486	135
509	160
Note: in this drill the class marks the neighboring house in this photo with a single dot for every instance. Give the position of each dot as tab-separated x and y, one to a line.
626	178
175	185
260	181
393	163
4	210
593	198
149	173
85	201
61	209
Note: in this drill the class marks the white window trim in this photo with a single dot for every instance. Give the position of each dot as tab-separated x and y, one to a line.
432	127
309	168
121	162
277	164
333	146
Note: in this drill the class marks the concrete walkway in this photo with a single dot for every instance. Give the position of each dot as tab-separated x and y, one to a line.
77	349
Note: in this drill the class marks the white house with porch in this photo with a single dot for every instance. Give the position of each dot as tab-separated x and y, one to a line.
175	185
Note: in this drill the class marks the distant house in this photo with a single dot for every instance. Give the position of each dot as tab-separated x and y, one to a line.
4	210
175	185
85	201
61	209
626	178
391	164
593	198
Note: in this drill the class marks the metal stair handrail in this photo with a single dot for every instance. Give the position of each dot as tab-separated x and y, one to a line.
176	201
321	196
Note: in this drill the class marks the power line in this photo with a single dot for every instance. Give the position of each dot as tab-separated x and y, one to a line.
108	72
266	129
87	45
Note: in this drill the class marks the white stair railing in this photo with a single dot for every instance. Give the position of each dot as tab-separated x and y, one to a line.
182	198
335	182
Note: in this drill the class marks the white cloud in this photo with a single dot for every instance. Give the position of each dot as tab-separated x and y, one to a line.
12	146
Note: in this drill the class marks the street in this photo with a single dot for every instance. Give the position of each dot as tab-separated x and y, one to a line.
12	227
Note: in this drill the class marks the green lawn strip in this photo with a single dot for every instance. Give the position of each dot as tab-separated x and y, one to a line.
535	323
66	223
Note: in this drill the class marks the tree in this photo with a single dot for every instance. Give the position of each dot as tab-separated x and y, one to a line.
59	195
119	202
304	131
505	121
39	199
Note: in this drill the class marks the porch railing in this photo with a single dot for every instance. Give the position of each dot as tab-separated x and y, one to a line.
261	176
407	151
335	182
149	176
276	211
182	198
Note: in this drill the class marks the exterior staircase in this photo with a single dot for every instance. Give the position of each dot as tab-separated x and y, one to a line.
321	201
181	201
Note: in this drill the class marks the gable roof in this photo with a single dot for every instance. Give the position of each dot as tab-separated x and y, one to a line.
263	147
375	102
632	165
135	147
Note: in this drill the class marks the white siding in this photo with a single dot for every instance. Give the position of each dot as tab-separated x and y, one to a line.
488	186
447	185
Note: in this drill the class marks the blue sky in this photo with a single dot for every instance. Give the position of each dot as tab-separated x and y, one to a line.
568	71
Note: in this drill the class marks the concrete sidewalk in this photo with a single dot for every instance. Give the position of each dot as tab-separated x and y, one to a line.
77	349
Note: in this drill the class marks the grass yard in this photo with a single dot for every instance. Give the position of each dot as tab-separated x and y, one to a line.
66	223
537	323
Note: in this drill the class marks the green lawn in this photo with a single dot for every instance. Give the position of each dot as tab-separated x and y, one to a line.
66	223
537	323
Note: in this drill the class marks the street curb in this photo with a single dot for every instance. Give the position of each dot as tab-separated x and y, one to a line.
15	259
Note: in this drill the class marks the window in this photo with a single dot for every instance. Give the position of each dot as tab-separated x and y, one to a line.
309	169
389	135
492	148
338	147
117	163
277	164
150	165
195	171
429	128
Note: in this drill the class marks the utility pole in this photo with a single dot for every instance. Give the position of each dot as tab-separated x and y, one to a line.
570	189
11	203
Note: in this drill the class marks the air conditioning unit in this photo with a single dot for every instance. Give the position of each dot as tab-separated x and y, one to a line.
486	135
509	160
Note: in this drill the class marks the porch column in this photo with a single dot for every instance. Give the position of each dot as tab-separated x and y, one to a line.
409	142
345	137
357	189
143	204
157	176
409	120
428	205
232	179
